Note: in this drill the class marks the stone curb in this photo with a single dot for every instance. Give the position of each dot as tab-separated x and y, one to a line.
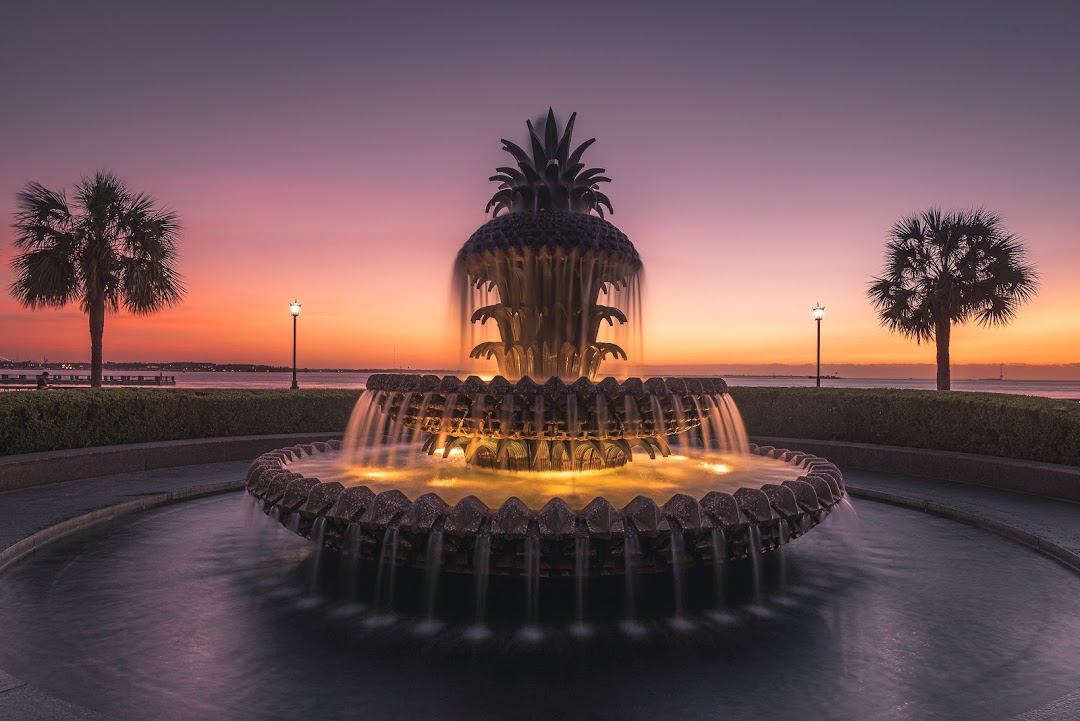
20	548
1008	474
38	469
1028	539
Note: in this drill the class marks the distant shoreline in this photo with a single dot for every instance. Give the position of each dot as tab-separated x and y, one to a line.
30	366
230	370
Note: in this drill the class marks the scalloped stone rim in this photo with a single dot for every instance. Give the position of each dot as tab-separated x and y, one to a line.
717	523
527	387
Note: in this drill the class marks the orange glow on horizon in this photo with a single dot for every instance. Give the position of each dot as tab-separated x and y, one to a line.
242	316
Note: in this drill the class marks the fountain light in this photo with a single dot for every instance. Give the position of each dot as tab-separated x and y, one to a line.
819	313
294	308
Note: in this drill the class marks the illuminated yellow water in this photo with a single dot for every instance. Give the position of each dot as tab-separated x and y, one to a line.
415	474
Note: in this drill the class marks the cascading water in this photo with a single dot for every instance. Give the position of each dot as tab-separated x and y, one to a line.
755	563
318	535
719	546
677	574
631	551
532	587
432	570
481	570
349	564
386	575
581	578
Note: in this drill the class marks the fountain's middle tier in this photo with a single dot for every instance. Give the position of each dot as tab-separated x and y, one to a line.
526	426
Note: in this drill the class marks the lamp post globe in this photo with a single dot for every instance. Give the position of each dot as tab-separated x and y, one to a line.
294	308
819	313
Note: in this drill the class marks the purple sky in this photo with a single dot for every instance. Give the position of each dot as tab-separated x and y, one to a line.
339	152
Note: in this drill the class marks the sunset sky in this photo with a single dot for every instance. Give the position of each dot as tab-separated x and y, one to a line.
339	153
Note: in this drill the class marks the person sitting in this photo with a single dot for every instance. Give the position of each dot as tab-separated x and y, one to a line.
43	381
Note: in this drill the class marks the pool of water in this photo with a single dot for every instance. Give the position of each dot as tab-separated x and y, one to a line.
204	611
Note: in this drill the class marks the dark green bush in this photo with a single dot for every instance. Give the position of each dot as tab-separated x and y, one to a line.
993	424
81	418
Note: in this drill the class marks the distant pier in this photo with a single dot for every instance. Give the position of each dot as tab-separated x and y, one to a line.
28	381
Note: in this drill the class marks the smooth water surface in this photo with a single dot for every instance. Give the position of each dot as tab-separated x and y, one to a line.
202	611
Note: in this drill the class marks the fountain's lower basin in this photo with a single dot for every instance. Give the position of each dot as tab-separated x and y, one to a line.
642	536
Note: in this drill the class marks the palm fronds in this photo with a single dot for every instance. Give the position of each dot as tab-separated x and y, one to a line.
950	268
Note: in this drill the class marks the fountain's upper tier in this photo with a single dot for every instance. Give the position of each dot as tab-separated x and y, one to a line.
526	426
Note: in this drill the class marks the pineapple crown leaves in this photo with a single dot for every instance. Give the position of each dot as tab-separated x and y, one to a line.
552	177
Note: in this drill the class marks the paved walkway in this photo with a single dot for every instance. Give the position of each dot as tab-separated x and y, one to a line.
32	510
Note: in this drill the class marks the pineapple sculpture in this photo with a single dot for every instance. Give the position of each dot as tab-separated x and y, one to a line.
538	269
542	262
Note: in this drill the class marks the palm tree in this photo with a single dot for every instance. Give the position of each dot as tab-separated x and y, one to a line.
111	248
942	269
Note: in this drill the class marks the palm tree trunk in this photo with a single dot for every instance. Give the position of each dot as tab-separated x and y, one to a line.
942	330
97	331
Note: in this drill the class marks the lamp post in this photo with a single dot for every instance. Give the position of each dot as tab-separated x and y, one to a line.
819	313
294	308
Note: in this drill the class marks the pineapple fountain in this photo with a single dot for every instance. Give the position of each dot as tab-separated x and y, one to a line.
547	469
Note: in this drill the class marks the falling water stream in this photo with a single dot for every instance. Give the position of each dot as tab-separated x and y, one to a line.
531	630
581	577
318	536
719	553
755	561
481	569
677	580
349	563
386	575
631	552
433	560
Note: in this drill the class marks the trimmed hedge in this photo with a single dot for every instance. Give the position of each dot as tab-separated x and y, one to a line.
1023	427
992	424
82	418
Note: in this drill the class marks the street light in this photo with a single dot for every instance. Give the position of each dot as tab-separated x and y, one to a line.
819	313
294	308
